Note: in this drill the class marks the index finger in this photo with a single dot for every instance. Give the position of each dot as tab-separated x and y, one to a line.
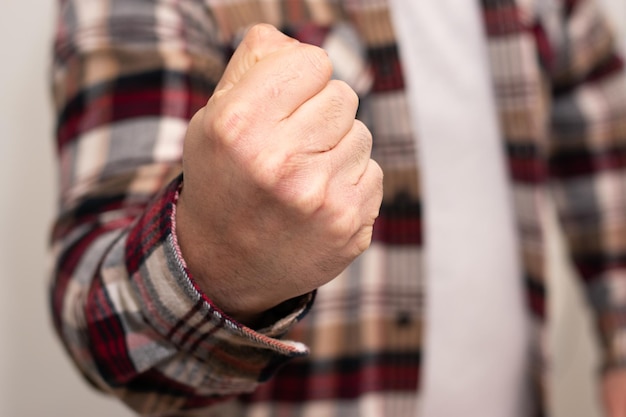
260	41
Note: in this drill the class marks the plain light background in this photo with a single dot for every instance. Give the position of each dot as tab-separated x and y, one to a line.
36	378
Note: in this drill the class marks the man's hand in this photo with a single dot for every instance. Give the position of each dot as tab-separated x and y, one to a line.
614	393
280	193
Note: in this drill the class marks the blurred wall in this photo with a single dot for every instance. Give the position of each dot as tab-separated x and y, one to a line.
36	378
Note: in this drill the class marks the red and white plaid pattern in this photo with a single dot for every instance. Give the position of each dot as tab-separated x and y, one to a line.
127	77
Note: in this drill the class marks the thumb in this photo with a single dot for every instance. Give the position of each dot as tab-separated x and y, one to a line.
260	41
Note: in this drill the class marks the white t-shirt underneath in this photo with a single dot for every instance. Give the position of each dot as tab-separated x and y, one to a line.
475	349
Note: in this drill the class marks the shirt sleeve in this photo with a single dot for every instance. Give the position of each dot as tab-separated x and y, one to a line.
588	163
127	76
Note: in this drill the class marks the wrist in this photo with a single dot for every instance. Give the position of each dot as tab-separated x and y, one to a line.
210	268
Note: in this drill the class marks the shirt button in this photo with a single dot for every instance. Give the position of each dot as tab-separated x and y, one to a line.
403	319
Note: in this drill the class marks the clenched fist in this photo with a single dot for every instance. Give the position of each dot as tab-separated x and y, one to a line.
280	193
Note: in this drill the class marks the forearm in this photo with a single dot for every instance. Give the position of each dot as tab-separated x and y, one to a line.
131	318
122	301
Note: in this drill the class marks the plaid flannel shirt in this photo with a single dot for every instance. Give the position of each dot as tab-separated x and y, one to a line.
127	77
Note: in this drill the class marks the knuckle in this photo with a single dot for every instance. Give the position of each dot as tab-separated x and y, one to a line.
229	124
307	200
317	60
347	94
269	172
362	130
345	225
376	186
364	136
378	174
363	240
287	178
362	143
258	33
263	38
